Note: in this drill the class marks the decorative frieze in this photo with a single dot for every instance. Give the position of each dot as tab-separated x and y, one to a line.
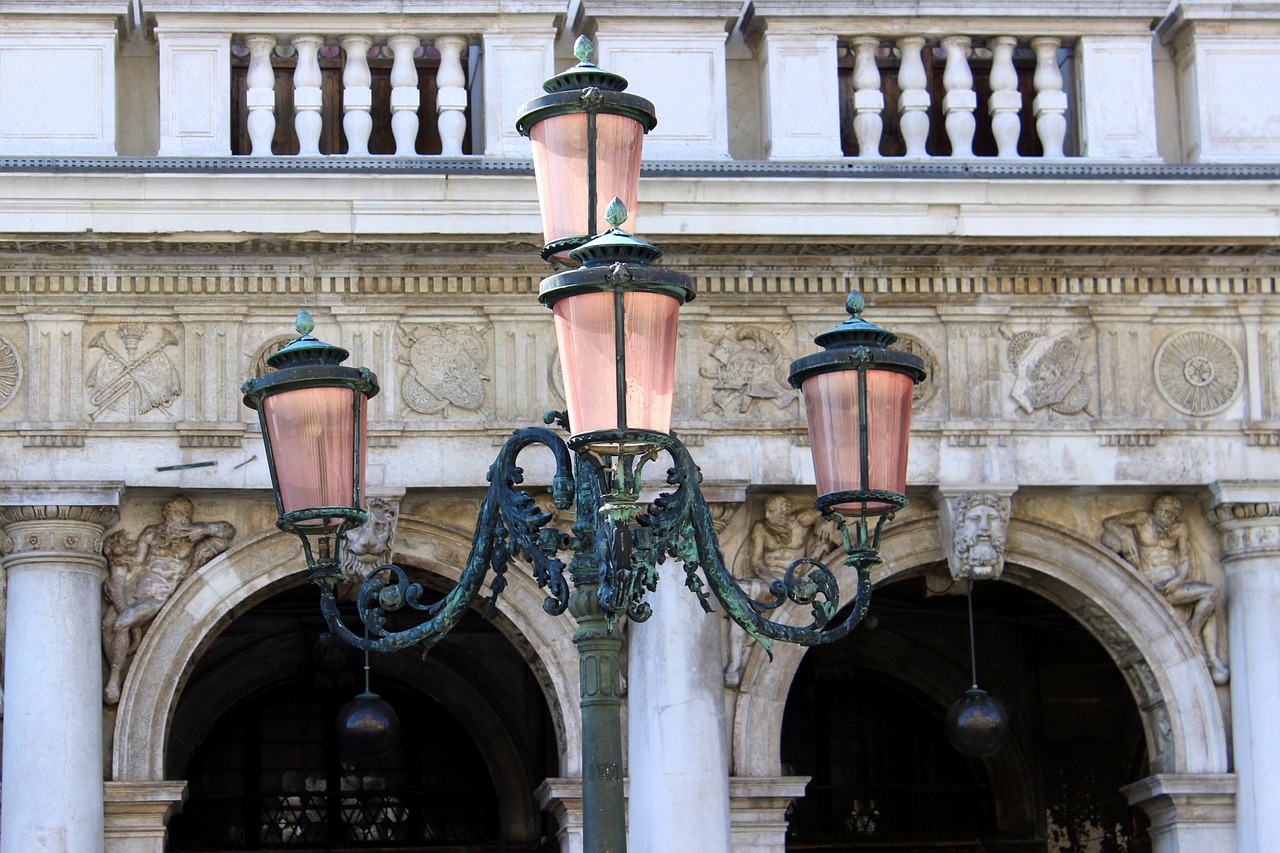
131	370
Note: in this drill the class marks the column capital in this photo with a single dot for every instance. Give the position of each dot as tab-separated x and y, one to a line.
67	518
1247	515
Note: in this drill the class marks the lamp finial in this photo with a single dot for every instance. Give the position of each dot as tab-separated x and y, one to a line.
305	324
616	213
582	49
854	303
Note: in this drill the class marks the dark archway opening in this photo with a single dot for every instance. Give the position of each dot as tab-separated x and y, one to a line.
254	735
864	718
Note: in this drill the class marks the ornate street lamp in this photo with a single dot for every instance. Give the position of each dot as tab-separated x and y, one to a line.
615	315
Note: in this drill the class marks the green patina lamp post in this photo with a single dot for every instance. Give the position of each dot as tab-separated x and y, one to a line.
616	320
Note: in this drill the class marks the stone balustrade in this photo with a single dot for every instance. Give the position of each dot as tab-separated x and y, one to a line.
921	87
355	94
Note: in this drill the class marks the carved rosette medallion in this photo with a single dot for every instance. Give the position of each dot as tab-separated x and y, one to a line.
1198	373
924	392
10	372
445	368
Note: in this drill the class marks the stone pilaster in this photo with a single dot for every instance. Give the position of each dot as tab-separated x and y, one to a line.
52	761
1187	811
1247	516
137	815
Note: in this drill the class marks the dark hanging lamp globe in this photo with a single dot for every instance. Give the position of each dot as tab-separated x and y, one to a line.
368	728
977	724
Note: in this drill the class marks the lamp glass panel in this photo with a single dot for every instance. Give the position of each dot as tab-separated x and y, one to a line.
585	331
831	405
313	434
560	167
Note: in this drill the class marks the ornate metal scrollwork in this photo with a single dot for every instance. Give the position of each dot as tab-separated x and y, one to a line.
618	546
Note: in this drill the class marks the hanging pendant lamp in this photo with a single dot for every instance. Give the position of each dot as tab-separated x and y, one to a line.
977	722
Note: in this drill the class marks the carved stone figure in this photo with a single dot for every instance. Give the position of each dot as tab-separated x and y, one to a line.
751	369
979	534
1158	545
775	542
143	574
370	545
133	375
445	363
1049	372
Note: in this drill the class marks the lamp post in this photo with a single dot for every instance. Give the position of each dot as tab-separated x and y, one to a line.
615	315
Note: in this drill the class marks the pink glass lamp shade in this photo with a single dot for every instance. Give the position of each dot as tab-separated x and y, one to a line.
587	135
314	414
616	317
857	396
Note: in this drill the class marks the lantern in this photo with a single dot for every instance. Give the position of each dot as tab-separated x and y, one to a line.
857	396
587	135
616	318
313	414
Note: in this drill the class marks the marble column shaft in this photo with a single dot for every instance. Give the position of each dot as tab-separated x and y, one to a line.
1250	533
678	747
52	761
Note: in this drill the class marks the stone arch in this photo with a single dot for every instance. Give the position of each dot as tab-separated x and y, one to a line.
1138	628
271	562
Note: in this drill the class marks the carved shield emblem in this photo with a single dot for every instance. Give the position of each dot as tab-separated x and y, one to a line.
444	369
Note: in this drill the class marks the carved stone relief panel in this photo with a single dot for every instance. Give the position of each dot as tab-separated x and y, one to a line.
444	367
131	370
1051	371
1198	373
267	350
745	372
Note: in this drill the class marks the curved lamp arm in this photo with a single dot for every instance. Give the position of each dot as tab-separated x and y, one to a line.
510	525
679	524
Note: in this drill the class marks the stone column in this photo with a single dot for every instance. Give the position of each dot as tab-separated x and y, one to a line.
678	746
52	762
1247	515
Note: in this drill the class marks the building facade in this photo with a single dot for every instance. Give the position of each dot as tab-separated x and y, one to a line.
1071	211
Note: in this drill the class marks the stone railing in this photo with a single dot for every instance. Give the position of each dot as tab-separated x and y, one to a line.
1007	80
353	94
1001	97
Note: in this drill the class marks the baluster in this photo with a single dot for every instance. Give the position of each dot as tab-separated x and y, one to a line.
451	95
960	101
306	95
1050	104
1006	100
914	100
357	95
261	95
404	94
868	100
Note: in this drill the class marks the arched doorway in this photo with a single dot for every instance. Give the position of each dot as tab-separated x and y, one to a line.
864	718
254	736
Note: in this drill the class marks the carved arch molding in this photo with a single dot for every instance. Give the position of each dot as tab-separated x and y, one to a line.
1141	632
